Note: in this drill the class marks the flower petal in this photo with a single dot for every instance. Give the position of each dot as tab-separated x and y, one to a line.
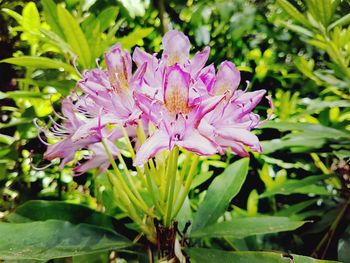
176	90
153	145
176	47
119	65
241	135
227	78
236	147
195	142
198	61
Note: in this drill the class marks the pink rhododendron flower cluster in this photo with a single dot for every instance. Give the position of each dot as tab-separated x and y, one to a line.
186	103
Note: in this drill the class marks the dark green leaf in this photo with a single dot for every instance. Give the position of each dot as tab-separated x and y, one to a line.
50	239
244	227
344	246
220	193
303	186
203	255
39	210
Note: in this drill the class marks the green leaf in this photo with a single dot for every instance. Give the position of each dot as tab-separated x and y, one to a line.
39	62
316	130
253	203
344	246
13	14
5	139
293	12
74	36
107	17
295	28
245	227
201	178
135	37
39	210
343	21
62	86
203	255
15	122
294	209
21	94
31	17
303	186
55	239
220	193
52	38
51	16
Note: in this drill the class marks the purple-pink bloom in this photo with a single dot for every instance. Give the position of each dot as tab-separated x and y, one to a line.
191	105
175	117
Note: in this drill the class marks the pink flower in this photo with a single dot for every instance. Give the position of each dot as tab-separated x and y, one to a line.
175	117
111	91
191	105
98	158
66	147
230	123
176	50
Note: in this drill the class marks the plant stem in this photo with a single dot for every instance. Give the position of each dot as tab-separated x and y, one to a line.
183	172
129	176
123	183
171	177
188	183
327	238
124	199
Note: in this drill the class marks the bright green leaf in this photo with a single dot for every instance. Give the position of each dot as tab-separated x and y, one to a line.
74	36
220	193
51	16
39	62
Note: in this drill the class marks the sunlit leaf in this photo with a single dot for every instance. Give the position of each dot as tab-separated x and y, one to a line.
75	36
39	62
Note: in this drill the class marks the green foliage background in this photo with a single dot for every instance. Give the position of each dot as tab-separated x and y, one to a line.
299	51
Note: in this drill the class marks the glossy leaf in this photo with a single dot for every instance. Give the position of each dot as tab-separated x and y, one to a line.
220	193
40	210
50	239
39	62
244	227
203	255
304	186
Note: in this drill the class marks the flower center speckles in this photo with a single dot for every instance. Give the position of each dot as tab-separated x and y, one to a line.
173	59
176	102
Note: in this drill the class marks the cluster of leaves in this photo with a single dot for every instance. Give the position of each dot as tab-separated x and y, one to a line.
298	51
